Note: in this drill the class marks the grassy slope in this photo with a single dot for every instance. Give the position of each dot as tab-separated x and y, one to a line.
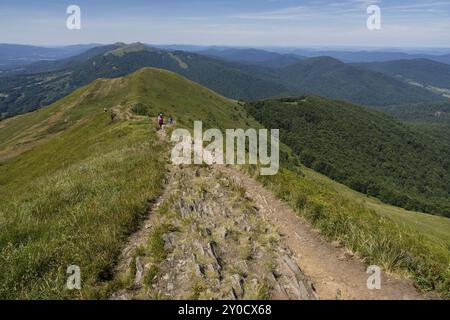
27	92
78	189
74	198
409	243
435	228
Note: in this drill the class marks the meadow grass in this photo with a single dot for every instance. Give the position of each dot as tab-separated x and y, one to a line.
74	184
399	241
73	201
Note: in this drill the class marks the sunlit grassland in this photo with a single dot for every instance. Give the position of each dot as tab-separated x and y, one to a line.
84	194
73	201
74	185
400	241
434	227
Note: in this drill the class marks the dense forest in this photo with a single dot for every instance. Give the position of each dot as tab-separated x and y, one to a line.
423	71
421	112
367	150
334	79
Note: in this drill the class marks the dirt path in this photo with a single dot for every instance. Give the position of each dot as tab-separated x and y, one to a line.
215	233
202	239
335	272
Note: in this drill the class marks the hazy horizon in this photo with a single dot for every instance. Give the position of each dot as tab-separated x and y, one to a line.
250	23
426	49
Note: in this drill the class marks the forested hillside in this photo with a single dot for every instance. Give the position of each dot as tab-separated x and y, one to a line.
422	112
334	79
422	71
364	149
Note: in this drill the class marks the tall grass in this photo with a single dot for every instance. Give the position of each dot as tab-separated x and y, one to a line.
396	247
381	241
83	195
73	185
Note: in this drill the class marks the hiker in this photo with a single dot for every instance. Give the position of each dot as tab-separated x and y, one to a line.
161	121
170	120
113	115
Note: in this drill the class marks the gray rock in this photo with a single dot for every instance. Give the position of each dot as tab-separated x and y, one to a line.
199	270
138	278
237	284
223	232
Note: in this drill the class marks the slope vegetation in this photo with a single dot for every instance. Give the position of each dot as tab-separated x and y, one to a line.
364	149
334	79
421	71
74	185
438	113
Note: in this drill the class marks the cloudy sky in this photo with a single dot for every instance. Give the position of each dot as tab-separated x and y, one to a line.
405	23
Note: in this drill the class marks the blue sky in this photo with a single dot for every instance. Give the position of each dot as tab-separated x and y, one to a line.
405	23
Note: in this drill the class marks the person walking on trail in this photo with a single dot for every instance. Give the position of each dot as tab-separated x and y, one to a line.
113	115
170	120
161	121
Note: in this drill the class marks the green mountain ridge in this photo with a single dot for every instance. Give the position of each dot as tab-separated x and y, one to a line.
25	92
42	84
331	78
74	185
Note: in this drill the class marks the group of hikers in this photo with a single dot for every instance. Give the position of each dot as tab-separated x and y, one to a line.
161	122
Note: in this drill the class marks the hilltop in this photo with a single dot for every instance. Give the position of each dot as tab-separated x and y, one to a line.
73	184
42	84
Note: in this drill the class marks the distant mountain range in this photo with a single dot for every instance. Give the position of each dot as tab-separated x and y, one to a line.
238	74
254	57
347	56
421	71
39	85
12	55
17	55
373	56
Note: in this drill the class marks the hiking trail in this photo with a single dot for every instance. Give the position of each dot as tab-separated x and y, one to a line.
215	233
